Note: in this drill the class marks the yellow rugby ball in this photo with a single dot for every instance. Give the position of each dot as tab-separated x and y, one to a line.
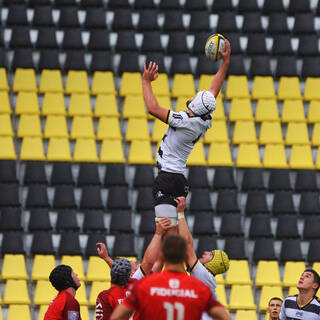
214	44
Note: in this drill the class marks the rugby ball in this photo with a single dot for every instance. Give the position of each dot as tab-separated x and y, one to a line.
214	44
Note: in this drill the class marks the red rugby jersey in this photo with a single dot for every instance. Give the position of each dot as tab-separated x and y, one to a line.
170	295
63	307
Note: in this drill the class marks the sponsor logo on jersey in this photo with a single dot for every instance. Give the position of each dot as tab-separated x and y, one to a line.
165	292
174	283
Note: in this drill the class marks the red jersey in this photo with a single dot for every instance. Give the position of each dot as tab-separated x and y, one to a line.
108	300
63	307
170	295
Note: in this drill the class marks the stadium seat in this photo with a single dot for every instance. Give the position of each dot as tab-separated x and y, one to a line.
240	110
270	133
124	246
314	111
67	222
246	315
227	22
51	81
6	126
268	274
256	44
310	91
238	273
148	20
112	151
244	132
260	67
85	151
56	127
289	88
218	132
91	198
37	196
14	267
165	102
8	172
177	43
24	80
96	288
39	220
224	178
77	82
20	311
81	294
252	21
181	103
220	292
291	250
102	61
79	105
109	128
32	149
266	293
53	104
241	297
121	222
227	202
59	150
161	86
203	224
220	155
183	85
311	225
301	157
129	63
44	292
316	134
95	18
82	128
3	80
287	227
237	87
103	83
275	157
16	292
143	176
260	226
256	202
5	107
205	82
27	103
248	156
297	134
9	198
263	249
42	266
131	84
292	273
76	263
306	181
7	150
252	179
29	126
133	107
159	129
200	201
236	68
222	5
197	156
140	152
106	106
267	110
137	129
98	270
293	111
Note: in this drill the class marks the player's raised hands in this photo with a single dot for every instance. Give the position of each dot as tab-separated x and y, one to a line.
102	250
162	226
181	203
226	54
150	73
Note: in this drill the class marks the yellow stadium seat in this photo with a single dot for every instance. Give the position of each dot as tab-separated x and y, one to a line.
59	150
318	159
131	84
103	83
82	295
263	88
29	126
268	292
133	107
56	127
316	134
267	110
268	273
293	111
292	272
237	87
76	263
98	270
3	80
248	156
24	80
297	133
96	288
220	155
42	311
217	133
137	129
16	292
316	266
314	111
5	103
7	150
301	157
159	129
197	156
311	91
5	125
77	82
53	104
218	113
82	127
293	291
221	294
27	102
289	88
205	83
241	297
44	292
32	149
183	85
244	132
112	151
140	152
181	103
109	128
106	106
270	132
42	266
160	87
1	318
240	110
246	315
14	267
19	312
275	157
238	273
51	81
219	278
79	105
85	151
84	311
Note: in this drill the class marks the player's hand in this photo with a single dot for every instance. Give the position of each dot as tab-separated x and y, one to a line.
181	203
162	226
150	73
102	250
226	54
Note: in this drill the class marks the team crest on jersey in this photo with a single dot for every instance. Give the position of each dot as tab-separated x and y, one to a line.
299	314
159	194
174	283
73	315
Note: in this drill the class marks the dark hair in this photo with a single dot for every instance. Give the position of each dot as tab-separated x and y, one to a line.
316	277
174	249
61	278
275	298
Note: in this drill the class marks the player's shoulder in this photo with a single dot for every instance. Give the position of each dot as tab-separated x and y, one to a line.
292	297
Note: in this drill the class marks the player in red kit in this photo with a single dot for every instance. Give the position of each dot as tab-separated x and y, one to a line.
171	294
64	306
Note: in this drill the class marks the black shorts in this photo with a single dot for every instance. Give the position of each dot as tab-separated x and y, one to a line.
168	186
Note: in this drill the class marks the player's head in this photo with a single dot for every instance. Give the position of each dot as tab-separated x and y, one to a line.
62	277
203	103
274	307
216	261
174	249
120	271
309	280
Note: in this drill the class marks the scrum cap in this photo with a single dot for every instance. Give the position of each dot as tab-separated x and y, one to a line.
203	103
219	263
61	279
120	271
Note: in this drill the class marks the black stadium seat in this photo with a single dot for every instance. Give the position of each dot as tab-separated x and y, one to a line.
122	20
198	177
151	42
10	219
91	198
263	249
69	244
200	201
199	22
42	16
260	226
245	6
124	246
95	18
235	248
271	6
39	220
252	179
227	202
223	178
115	175
148	21
287	227
306	181
88	174
256	44
37	196
177	43
144	176
22	58
61	174
8	171
121	222
206	243
252	23
93	221
145	199
221	6
42	243
35	173
67	221
231	225
203	224
69	17
256	202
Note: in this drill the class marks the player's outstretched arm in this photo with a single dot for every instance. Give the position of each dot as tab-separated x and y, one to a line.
217	81
121	312
154	247
150	74
219	313
103	253
184	231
